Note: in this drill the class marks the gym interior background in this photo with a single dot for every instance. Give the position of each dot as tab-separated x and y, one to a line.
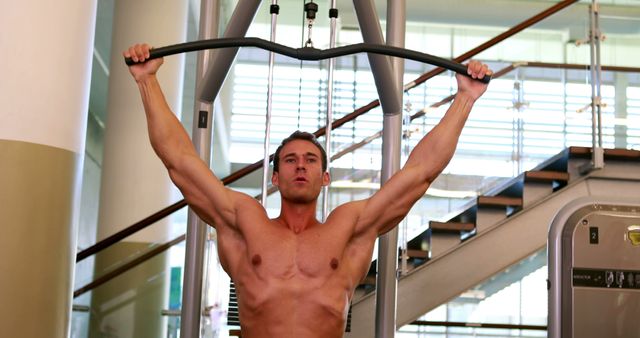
527	117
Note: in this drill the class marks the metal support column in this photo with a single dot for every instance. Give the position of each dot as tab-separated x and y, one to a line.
380	64
222	59
596	97
196	229
388	81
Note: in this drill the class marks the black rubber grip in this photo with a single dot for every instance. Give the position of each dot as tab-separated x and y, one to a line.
309	53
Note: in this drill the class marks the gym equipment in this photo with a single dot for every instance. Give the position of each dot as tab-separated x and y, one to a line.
594	269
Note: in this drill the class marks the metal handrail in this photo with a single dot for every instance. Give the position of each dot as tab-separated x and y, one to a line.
127	266
107	242
479	325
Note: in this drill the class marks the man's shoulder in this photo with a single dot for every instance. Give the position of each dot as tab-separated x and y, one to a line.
244	198
248	205
349	210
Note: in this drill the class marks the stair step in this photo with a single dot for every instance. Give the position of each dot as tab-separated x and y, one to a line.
546	176
440	227
615	154
443	242
499	201
369	280
494	209
417	254
579	151
622	154
540	184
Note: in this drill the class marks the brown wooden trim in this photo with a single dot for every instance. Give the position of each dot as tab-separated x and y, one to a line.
580	67
546	176
579	151
235	333
480	325
504	71
412	253
451	226
615	153
127	266
118	236
499	201
619	153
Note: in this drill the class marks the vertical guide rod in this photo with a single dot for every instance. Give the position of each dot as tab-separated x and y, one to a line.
596	98
333	14
390	94
208	84
196	229
386	305
267	135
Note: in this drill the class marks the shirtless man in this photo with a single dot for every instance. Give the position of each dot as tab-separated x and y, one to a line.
294	275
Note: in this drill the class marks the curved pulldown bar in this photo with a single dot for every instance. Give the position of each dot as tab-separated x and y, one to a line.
308	53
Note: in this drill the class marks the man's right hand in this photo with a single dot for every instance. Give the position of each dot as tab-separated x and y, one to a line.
142	70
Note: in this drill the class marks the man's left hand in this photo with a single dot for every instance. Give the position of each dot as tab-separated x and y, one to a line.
469	85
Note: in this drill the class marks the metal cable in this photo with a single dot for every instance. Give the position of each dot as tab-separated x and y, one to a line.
333	14
267	135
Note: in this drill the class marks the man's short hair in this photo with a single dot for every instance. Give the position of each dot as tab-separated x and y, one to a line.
300	135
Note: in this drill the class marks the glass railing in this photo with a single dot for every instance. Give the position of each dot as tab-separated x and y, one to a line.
513	303
141	266
135	300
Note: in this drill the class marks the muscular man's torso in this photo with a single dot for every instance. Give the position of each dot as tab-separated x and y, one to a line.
293	284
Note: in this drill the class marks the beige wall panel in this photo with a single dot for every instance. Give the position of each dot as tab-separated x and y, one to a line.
37	238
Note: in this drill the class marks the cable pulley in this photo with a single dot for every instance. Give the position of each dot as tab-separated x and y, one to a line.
311	9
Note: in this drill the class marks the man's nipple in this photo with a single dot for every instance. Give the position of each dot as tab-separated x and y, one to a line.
334	263
256	260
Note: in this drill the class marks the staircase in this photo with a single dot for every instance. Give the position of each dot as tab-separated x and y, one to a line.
501	228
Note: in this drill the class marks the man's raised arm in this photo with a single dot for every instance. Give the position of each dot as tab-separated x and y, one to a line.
213	202
392	202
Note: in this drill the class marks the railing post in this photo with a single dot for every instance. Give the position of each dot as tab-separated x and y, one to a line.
596	97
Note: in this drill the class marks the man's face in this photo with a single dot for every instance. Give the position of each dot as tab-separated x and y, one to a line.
300	177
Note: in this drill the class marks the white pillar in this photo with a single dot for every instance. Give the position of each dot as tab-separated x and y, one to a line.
44	91
135	184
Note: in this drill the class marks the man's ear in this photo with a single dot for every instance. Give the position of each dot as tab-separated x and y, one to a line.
326	178
274	178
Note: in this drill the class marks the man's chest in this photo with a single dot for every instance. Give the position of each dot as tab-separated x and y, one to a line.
313	253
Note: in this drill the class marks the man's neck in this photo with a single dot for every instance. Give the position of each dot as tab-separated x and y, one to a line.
298	217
